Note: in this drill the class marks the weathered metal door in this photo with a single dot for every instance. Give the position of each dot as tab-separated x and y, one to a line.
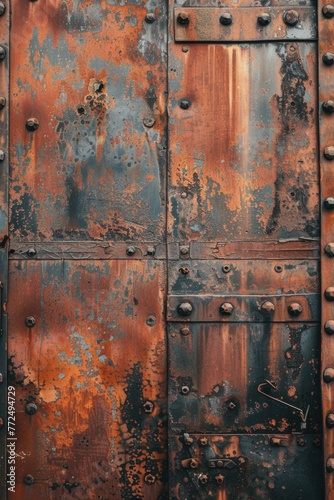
160	257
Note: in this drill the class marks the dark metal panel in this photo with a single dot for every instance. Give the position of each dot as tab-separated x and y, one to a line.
90	377
243	142
254	467
217	24
93	75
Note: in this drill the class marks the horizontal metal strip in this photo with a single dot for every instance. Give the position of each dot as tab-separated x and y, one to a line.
245	24
244	308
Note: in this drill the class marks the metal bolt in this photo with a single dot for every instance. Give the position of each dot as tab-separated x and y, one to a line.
329	203
264	19
151	251
231	406
278	268
329	327
2	102
148	407
290	17
330	464
149	121
203	441
329	249
194	463
185	331
185	104
29	479
329	293
183	19
2	52
31	408
149	479
130	251
268	307
226	268
184	195
301	441
151	321
32	124
226	19
328	58
184	250
328	106
30	321
2	8
329	153
185	309
203	478
189	441
185	389
328	10
220	463
219	479
295	309
150	18
226	308
31	252
328	375
330	420
2	155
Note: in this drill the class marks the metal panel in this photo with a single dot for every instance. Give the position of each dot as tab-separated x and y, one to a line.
89	378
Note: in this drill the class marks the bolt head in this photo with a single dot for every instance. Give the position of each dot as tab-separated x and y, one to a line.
329	203
226	268
329	153
185	389
329	327
184	309
268	307
29	479
330	420
264	19
291	17
30	321
148	406
328	58
295	309
183	19
220	479
328	10
31	408
2	8
329	249
330	464
2	155
32	124
185	331
226	309
150	18
328	375
329	293
226	19
185	104
328	106
130	251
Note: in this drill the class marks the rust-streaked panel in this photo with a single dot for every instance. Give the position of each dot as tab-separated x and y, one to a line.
94	76
94	358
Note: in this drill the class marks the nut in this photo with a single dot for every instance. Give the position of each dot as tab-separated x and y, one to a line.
185	389
148	406
185	309
185	331
30	321
203	478
226	308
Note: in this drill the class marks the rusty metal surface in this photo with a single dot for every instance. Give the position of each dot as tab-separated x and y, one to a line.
215	24
94	364
252	467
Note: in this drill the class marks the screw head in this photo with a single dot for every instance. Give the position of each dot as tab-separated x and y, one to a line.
329	153
329	327
203	478
328	106
328	375
2	155
330	464
183	19
130	251
151	320
2	8
226	19
31	408
295	309
185	389
264	19
268	307
2	52
328	10
29	479
203	441
226	309
329	293
185	104
32	124
185	331
290	17
329	203
2	102
219	479
330	420
329	249
185	309
148	407
149	121
150	18
30	321
328	58
31	252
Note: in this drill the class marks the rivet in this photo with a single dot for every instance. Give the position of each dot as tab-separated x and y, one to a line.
328	106
194	464
329	249
130	251
329	153
29	479
189	441
2	52
329	327
295	309
151	251
226	268
148	406
2	102
150	18
278	268
203	441
31	252
330	420
203	478
329	203
226	19
183	19
328	58
329	293
185	49
290	17
151	321
31	408
2	8
219	479
30	321
185	331
2	155
184	194
81	110
149	121
328	10
32	124
185	104
185	389
264	19
185	309
268	307
330	464
328	375
184	250
301	441
226	308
